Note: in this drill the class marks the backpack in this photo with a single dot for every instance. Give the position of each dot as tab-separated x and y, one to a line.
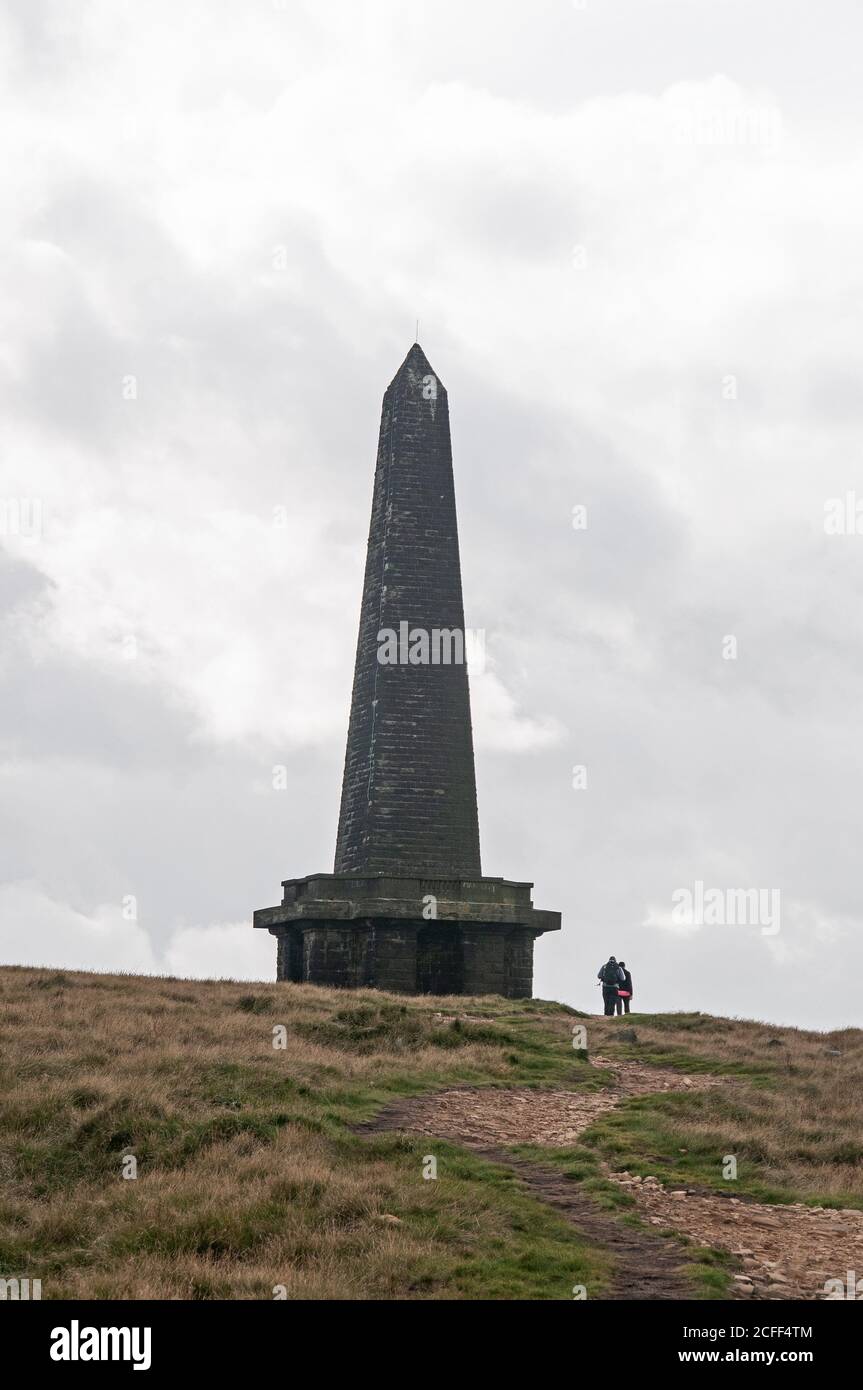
611	973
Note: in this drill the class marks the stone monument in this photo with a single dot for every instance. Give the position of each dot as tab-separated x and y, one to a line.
407	907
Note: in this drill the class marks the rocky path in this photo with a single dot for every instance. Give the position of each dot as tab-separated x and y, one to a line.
645	1265
521	1115
785	1251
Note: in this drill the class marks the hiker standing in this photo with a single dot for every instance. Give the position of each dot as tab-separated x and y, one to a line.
610	976
625	991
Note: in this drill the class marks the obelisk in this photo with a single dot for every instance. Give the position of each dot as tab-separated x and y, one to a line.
407	908
409	790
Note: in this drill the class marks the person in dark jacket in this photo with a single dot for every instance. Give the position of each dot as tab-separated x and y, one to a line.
611	977
623	1004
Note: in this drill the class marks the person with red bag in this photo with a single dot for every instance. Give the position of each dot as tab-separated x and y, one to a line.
624	993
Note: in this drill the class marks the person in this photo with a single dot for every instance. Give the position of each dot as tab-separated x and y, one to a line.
624	994
610	976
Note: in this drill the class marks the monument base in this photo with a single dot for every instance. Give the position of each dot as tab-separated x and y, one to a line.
410	935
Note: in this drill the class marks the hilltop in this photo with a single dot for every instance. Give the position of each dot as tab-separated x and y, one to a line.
306	1168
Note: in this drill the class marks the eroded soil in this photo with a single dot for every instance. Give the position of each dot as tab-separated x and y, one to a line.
784	1251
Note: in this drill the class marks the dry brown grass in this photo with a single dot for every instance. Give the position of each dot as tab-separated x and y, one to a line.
248	1175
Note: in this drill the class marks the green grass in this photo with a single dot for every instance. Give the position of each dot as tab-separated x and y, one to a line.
251	1174
536	1253
709	1271
780	1119
644	1137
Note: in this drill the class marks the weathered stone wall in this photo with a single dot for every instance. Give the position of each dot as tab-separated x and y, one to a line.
363	954
518	963
409	957
440	959
330	956
289	955
483	947
394	946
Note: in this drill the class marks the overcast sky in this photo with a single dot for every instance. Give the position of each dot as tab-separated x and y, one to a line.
631	232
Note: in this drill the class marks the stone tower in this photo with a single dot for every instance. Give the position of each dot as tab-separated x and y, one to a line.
407	907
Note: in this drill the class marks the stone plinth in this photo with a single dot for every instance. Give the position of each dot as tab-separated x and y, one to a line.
411	935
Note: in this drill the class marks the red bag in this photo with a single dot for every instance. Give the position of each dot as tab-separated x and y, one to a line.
624	993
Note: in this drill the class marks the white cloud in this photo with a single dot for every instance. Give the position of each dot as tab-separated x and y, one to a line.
500	725
38	930
222	951
440	164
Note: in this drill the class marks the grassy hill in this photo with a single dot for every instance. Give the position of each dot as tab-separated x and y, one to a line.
251	1173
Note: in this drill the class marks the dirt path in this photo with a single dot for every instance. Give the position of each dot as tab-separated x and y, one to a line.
645	1266
520	1115
786	1252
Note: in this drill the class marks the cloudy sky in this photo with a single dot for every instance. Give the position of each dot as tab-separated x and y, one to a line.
631	232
